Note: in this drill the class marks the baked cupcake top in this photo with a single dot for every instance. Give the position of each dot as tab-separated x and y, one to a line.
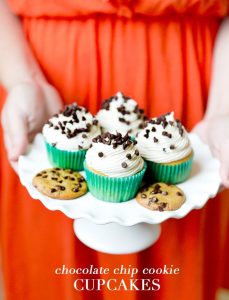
121	114
114	155
164	140
72	129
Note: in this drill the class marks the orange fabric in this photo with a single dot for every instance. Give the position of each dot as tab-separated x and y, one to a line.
165	64
125	8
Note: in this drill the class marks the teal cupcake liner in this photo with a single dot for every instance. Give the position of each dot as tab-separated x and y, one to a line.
113	189
66	159
173	174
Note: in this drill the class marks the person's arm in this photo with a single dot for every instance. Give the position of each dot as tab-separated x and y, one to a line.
214	128
30	99
17	63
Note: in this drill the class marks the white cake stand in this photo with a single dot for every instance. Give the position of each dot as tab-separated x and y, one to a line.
121	228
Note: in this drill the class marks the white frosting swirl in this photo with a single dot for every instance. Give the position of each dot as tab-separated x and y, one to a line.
120	114
71	130
114	162
164	140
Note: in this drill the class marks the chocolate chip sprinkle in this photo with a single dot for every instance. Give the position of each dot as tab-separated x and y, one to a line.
124	165
165	133
95	122
172	147
136	152
81	179
155	139
153	129
162	206
100	154
60	187
53	190
128	156
179	193
122	120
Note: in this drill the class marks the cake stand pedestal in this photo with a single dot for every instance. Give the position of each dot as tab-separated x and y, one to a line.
127	227
114	238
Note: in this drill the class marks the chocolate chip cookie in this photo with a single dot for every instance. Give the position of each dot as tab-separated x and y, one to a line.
60	184
161	196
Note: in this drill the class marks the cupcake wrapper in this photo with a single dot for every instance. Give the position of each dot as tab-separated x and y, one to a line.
173	174
114	189
66	159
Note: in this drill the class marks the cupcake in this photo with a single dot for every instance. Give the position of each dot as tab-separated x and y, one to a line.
165	145
68	135
121	114
114	169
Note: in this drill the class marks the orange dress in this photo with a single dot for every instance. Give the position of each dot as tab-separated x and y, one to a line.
160	53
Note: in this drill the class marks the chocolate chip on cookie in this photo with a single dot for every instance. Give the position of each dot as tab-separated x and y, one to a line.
58	183
161	196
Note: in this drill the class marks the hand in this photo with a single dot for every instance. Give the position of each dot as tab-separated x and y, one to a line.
27	107
215	132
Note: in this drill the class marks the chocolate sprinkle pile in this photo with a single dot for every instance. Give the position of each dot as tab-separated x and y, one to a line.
161	120
114	139
123	111
72	111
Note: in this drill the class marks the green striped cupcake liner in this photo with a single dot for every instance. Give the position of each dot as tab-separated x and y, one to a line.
177	173
114	189
66	159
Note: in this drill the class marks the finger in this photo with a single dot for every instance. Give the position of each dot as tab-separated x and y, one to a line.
224	166
5	127
16	135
